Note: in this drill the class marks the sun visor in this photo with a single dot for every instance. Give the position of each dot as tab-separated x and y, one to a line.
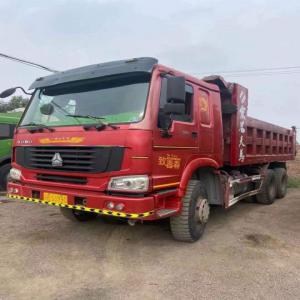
143	64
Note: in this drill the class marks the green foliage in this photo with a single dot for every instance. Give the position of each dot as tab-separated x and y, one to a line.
13	103
294	182
10	118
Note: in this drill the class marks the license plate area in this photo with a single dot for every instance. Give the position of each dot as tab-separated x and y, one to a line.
56	198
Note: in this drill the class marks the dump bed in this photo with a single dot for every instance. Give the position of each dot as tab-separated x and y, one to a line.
248	140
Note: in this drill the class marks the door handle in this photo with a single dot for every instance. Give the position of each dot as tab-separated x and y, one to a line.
194	134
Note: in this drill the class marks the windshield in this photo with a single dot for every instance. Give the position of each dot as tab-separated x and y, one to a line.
113	99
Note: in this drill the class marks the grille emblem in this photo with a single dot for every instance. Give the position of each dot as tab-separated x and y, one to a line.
56	160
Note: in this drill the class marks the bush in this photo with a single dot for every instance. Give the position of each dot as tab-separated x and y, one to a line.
294	182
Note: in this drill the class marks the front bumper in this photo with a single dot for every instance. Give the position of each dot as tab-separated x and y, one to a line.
134	208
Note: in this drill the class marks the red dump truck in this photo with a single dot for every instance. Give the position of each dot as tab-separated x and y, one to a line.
135	139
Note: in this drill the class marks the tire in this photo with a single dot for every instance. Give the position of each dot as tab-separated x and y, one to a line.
189	225
281	179
4	172
77	215
267	194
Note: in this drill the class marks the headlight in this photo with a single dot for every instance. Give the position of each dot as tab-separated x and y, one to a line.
138	183
15	174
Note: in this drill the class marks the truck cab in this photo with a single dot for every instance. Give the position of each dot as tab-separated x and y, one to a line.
8	122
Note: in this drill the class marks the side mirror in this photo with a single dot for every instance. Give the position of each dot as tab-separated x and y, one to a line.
176	89
47	109
11	91
7	92
174	108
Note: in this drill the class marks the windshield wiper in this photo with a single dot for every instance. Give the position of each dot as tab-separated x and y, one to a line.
85	117
37	127
98	126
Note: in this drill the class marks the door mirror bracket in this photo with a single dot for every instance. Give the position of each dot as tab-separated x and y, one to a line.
165	130
165	133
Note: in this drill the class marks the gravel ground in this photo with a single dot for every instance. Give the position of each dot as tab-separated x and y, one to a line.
250	251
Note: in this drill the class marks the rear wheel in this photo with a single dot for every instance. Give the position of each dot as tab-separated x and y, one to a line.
281	179
267	194
4	172
77	215
189	225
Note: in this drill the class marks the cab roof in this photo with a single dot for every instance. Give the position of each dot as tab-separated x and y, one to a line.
142	64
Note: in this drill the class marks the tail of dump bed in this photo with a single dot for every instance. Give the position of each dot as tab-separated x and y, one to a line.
247	140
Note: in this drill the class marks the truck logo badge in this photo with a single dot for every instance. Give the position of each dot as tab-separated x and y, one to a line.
56	160
24	142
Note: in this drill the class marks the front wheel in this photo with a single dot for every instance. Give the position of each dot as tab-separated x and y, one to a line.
77	215
189	225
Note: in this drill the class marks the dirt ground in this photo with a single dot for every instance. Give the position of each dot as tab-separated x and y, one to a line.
250	251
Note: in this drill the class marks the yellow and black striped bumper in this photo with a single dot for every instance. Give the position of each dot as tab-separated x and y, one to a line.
88	209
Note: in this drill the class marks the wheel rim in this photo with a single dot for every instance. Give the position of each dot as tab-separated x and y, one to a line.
202	211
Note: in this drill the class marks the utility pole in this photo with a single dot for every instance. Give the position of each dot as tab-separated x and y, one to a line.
28	63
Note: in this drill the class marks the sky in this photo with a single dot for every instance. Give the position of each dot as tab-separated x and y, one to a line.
200	37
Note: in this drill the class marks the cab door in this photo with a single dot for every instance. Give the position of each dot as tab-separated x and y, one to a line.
6	135
174	148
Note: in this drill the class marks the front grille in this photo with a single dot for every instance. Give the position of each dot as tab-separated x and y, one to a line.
72	159
63	179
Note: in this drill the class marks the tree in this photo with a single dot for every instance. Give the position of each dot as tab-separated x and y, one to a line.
13	103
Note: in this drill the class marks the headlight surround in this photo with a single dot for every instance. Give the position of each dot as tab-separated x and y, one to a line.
15	174
136	183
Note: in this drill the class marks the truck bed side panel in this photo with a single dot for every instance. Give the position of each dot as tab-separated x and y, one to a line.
251	141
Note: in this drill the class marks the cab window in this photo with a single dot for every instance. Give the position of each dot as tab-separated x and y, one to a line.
204	109
6	131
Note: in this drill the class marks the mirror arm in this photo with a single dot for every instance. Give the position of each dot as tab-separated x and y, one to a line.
19	87
165	133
